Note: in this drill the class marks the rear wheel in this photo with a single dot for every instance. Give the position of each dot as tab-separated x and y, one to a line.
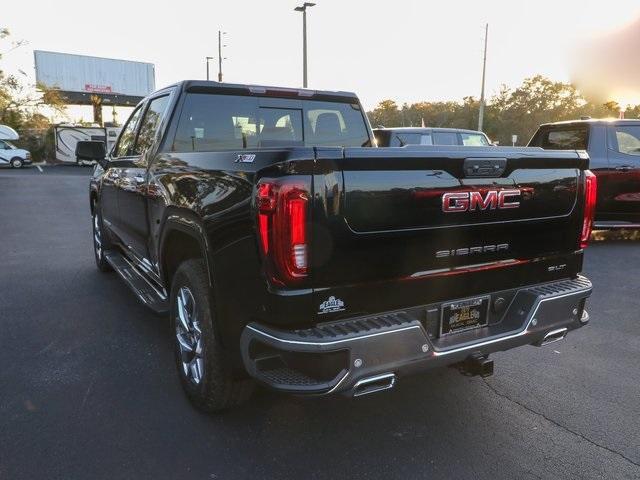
204	369
16	162
100	241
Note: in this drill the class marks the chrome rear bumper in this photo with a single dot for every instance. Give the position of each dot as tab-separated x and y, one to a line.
340	356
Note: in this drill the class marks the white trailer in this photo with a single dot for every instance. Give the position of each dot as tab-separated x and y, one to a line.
8	133
67	136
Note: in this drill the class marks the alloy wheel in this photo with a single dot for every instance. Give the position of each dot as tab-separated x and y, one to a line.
97	236
189	336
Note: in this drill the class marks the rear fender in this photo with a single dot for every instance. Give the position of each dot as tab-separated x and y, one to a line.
191	225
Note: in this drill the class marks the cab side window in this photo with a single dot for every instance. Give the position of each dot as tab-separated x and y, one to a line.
573	138
625	139
150	124
124	148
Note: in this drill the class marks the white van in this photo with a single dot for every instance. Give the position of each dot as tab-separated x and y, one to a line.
9	153
13	156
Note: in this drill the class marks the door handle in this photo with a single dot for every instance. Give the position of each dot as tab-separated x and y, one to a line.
624	168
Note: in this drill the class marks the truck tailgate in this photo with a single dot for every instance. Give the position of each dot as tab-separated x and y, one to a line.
450	222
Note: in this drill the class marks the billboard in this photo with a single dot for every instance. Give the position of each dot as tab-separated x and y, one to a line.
78	77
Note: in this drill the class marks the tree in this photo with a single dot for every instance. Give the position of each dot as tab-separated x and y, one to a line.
22	106
509	112
538	100
632	112
386	113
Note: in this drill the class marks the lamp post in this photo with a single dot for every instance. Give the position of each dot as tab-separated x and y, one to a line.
207	60
220	58
484	70
303	9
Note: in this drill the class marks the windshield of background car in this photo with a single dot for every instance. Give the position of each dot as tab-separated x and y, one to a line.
210	122
570	138
474	139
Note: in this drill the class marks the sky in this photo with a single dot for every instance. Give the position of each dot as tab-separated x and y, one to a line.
404	50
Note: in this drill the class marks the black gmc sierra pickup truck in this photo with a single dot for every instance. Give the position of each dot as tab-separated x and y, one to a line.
288	249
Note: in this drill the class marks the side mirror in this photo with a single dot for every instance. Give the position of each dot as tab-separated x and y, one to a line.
92	151
495	143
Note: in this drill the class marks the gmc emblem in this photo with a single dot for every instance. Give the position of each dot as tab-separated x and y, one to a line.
471	201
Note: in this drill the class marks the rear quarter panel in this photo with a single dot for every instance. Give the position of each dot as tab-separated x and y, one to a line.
215	192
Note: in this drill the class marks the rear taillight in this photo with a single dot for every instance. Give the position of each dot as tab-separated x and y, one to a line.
282	228
590	191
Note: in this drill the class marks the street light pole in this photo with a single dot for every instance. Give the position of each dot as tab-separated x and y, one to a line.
303	9
219	56
207	60
484	69
304	48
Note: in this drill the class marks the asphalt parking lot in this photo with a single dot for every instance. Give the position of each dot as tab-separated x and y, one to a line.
88	387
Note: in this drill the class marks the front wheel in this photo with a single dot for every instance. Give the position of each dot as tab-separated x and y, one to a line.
16	162
204	369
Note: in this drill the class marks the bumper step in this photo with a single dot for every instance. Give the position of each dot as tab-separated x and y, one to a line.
560	288
347	329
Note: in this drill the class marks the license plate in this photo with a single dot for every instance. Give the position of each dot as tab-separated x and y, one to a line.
464	315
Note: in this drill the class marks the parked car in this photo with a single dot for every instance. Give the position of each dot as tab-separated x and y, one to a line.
401	136
13	156
614	152
286	248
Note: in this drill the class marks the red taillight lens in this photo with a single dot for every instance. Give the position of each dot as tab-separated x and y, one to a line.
282	228
590	191
296	206
266	203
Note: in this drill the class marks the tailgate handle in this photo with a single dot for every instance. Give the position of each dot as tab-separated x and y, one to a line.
484	167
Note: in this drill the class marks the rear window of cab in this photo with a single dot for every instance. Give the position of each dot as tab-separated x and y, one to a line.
210	122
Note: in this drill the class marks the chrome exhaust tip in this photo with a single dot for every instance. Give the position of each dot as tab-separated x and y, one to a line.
554	336
585	317
374	384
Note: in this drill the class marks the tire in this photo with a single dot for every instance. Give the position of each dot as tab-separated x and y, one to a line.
101	241
16	162
204	369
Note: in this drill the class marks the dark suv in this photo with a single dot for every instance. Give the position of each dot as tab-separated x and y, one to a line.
614	152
